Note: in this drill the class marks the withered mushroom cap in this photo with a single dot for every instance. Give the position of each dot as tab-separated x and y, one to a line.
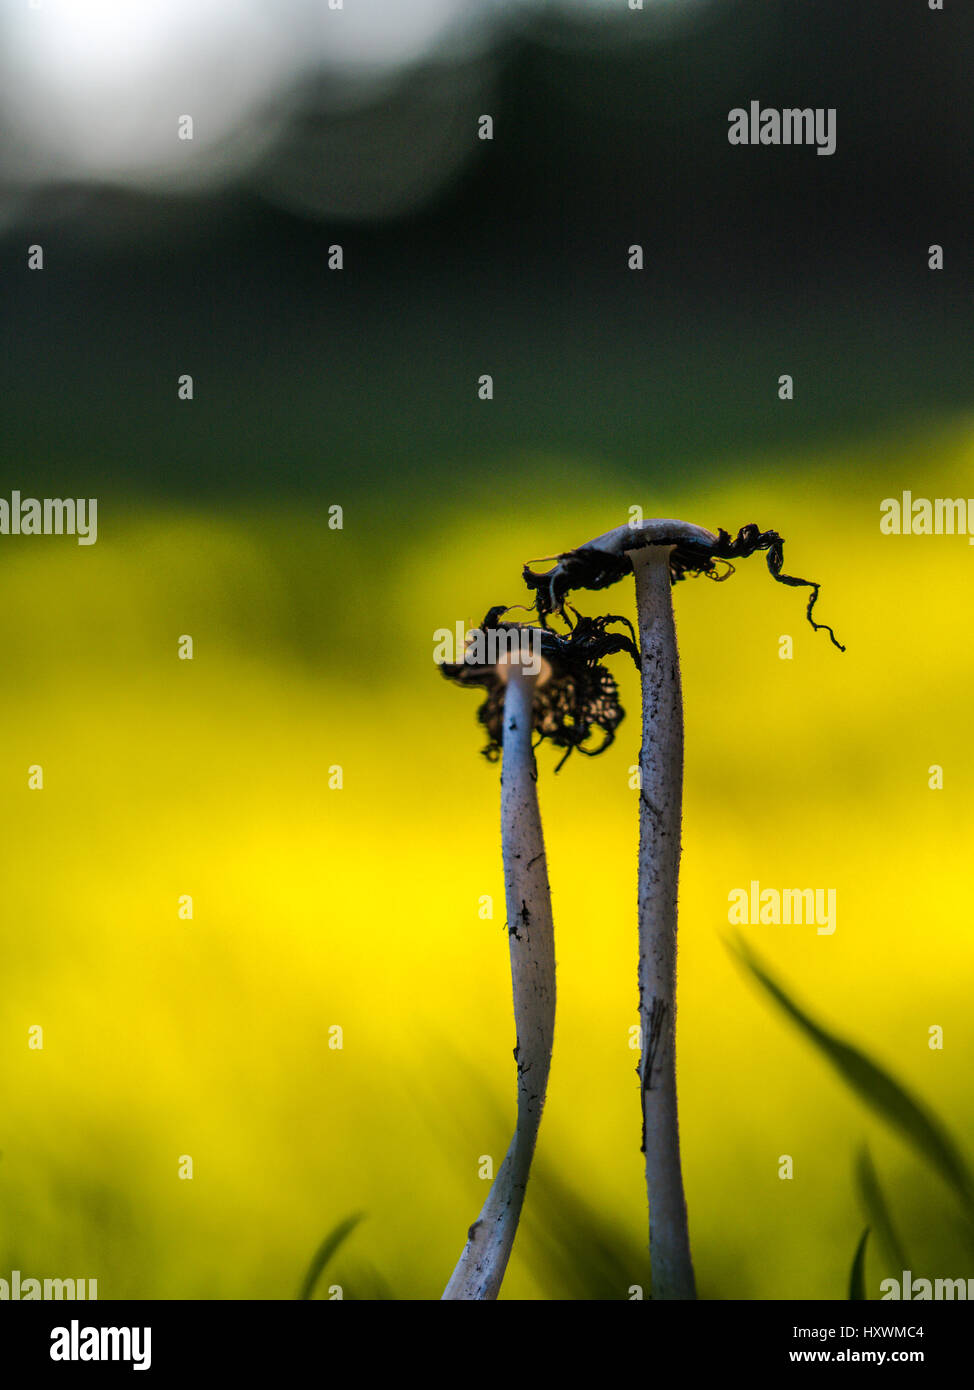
574	696
605	560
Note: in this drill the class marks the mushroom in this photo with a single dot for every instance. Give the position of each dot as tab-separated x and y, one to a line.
658	553
537	682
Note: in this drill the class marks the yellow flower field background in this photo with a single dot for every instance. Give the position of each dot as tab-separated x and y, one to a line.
316	907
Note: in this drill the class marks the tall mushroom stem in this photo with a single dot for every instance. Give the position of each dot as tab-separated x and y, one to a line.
484	1259
660	819
660	551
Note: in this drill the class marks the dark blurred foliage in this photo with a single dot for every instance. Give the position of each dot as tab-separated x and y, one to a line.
363	383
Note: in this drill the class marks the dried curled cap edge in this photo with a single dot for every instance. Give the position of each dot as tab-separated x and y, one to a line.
574	696
605	561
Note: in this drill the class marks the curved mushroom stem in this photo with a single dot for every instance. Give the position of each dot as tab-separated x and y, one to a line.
660	817
484	1259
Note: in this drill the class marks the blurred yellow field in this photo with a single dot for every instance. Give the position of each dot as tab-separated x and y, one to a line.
316	907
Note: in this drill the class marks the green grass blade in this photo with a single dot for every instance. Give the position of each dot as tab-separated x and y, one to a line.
576	1251
857	1279
326	1250
877	1209
876	1087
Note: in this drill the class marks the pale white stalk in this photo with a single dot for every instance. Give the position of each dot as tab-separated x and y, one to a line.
660	820
482	1264
649	546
